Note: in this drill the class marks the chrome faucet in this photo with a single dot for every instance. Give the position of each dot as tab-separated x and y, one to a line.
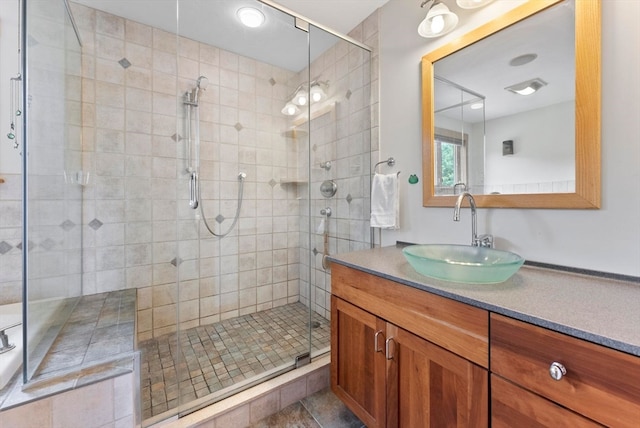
461	184
476	241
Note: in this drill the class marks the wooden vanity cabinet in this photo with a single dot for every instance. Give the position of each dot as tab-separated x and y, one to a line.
403	357
389	362
358	367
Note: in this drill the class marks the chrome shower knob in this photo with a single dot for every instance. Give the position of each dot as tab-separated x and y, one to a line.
557	371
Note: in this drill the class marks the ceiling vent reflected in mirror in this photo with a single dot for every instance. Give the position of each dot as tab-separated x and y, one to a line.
523	59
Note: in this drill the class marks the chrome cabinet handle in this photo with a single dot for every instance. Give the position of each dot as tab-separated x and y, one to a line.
387	342
375	341
557	371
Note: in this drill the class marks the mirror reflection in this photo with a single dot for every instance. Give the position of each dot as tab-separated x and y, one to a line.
504	110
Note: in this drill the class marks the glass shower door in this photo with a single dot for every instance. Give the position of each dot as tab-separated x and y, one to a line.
52	175
242	170
340	165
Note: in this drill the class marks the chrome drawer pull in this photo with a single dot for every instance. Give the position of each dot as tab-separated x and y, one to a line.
388	355
375	341
557	371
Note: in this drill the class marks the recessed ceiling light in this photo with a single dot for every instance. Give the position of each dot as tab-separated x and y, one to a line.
250	17
476	106
528	87
522	60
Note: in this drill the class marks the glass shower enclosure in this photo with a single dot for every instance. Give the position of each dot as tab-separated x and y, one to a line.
210	166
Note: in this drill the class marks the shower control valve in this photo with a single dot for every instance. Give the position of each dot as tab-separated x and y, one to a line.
326	211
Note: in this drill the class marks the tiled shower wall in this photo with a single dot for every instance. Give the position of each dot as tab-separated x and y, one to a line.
138	229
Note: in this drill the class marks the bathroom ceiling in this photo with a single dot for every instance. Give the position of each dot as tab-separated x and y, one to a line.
214	22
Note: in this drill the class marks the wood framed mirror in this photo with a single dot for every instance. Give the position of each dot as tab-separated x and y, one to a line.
584	192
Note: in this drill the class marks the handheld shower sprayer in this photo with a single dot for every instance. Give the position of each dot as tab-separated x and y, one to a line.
201	85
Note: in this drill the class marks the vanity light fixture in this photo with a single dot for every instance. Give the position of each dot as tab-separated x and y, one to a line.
472	4
528	87
317	93
250	17
302	96
290	109
439	20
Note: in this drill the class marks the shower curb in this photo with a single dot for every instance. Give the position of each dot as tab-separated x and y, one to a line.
259	401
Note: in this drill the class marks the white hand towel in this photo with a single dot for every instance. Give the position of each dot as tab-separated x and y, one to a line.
385	201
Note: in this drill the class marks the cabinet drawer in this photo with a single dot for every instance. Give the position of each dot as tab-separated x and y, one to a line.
455	326
513	406
600	383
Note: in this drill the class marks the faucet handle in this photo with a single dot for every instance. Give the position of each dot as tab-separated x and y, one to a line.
484	241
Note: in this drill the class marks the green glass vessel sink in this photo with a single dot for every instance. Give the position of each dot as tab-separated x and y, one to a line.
463	263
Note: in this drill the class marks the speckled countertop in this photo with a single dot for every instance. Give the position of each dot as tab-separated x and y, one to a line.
601	310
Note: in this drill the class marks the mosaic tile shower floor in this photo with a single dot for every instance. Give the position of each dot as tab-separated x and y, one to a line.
216	356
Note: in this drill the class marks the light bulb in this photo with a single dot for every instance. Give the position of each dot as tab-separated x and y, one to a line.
300	98
290	109
437	24
526	91
316	92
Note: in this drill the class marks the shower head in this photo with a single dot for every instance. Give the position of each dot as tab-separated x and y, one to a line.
202	82
201	85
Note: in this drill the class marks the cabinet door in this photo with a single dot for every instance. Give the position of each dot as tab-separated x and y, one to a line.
512	406
432	387
357	361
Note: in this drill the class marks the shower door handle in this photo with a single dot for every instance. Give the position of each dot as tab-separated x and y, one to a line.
193	190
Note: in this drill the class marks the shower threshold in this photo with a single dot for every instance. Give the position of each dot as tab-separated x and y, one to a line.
216	360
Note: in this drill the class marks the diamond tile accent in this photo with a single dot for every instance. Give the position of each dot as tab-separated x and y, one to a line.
315	252
48	244
220	218
238	126
349	93
5	247
124	63
31	246
176	137
95	224
349	198
272	182
177	261
67	225
272	81
315	147
31	41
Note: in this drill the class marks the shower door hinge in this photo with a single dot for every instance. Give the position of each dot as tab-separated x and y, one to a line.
301	24
303	360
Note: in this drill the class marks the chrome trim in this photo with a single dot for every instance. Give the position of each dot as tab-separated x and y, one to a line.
73	21
315	24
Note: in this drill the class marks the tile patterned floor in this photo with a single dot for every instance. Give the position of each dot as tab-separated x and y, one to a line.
216	356
100	327
320	410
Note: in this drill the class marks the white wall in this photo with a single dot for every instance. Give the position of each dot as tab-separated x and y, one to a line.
543	146
607	239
